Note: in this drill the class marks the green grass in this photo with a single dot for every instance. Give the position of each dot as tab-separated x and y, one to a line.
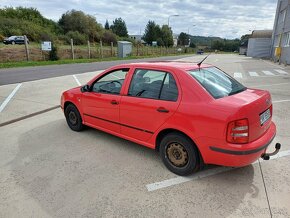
76	61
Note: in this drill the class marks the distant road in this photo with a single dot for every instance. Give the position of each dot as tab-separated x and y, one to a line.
17	75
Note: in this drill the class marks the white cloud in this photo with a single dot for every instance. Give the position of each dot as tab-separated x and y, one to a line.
222	18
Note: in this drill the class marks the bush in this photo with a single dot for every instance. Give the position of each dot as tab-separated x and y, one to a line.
53	54
1	38
108	37
79	39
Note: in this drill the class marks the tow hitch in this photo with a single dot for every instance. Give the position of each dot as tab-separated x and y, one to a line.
266	156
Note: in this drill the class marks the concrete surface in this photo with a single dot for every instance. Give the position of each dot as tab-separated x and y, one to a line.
47	170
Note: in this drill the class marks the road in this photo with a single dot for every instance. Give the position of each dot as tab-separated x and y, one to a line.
47	170
17	75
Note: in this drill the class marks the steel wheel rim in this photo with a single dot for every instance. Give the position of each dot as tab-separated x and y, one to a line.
177	154
72	118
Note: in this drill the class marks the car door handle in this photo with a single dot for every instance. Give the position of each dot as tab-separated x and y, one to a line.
162	110
114	102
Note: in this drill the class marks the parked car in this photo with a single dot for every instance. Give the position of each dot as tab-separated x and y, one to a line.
200	51
192	114
15	40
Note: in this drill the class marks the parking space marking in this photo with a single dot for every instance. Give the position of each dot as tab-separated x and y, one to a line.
199	175
178	180
281	72
238	75
6	101
76	79
268	73
253	73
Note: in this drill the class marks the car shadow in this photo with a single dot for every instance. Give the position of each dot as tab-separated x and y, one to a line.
61	169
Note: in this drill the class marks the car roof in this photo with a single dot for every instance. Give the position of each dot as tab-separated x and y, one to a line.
168	64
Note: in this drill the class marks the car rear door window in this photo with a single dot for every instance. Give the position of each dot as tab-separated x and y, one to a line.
111	83
153	84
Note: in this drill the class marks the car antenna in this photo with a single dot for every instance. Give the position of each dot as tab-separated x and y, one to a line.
202	61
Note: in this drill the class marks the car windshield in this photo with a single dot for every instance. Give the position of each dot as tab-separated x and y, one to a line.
216	82
12	37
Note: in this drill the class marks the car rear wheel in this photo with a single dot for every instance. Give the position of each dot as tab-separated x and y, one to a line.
73	118
179	154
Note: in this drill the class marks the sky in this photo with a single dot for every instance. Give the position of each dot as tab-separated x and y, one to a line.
223	18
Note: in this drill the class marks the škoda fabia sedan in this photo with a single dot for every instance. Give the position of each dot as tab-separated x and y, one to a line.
193	114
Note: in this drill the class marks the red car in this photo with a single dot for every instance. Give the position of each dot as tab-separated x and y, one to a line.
192	114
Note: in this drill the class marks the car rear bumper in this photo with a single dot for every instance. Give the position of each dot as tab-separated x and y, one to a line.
238	155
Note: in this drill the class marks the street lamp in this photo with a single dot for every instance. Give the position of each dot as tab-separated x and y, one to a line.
174	15
189	27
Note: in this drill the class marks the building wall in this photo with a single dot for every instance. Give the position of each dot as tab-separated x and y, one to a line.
280	30
259	47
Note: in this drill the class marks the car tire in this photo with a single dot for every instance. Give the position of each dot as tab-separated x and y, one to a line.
13	43
73	118
179	154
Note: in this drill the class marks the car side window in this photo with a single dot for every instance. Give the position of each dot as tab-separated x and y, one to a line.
169	90
153	84
111	83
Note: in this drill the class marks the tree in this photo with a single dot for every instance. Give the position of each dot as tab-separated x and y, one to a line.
167	37
27	21
152	33
119	27
183	39
107	25
78	21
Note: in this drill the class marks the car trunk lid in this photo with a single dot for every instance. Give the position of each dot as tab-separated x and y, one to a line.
254	105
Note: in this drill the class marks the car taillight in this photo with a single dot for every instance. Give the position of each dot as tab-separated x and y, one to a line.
238	131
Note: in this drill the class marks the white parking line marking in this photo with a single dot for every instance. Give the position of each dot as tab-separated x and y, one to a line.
76	79
238	75
199	175
280	101
181	179
253	73
268	73
282	72
6	101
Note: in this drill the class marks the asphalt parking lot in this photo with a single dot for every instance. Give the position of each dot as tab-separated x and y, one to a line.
47	170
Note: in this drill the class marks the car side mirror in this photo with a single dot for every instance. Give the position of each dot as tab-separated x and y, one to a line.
85	88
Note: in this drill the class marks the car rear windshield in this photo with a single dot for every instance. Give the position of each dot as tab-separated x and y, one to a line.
216	82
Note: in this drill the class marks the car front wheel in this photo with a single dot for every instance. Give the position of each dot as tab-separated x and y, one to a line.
179	154
73	118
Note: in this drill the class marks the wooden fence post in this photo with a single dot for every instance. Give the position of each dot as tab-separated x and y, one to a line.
112	49
72	48
101	48
26	48
89	49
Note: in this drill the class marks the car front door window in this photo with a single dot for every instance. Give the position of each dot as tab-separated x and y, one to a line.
111	83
